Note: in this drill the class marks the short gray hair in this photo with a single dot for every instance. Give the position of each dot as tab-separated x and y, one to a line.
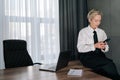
92	13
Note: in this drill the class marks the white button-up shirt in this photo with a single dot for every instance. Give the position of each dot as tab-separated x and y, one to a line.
86	41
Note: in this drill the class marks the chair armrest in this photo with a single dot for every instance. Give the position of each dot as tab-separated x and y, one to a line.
37	63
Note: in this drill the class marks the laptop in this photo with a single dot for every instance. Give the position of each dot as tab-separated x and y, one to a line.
62	62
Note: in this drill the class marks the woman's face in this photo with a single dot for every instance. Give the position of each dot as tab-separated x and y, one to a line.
95	21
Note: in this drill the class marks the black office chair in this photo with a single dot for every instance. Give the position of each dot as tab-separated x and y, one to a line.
16	54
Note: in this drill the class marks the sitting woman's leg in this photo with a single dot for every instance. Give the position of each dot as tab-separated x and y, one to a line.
100	64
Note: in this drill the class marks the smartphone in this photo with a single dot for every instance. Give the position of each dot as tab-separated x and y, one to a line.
108	39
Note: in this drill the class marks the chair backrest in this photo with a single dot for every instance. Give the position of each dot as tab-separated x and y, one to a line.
16	54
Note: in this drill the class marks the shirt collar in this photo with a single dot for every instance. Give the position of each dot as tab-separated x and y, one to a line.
91	29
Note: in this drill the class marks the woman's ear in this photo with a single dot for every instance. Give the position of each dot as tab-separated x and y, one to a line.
89	20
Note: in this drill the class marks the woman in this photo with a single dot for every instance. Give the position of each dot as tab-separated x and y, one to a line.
92	48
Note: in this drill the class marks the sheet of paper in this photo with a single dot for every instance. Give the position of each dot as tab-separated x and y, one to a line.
75	72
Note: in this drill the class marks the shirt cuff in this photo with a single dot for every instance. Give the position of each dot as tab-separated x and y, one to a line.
92	47
106	49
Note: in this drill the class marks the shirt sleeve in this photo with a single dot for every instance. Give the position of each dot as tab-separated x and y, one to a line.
82	44
106	47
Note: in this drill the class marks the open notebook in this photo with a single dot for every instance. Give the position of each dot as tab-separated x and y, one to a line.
62	62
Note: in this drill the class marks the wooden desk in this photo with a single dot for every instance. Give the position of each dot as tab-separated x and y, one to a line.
33	73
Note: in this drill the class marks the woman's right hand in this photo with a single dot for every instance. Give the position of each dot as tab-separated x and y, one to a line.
100	45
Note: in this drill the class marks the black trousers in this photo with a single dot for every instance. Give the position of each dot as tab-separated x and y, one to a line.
100	64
